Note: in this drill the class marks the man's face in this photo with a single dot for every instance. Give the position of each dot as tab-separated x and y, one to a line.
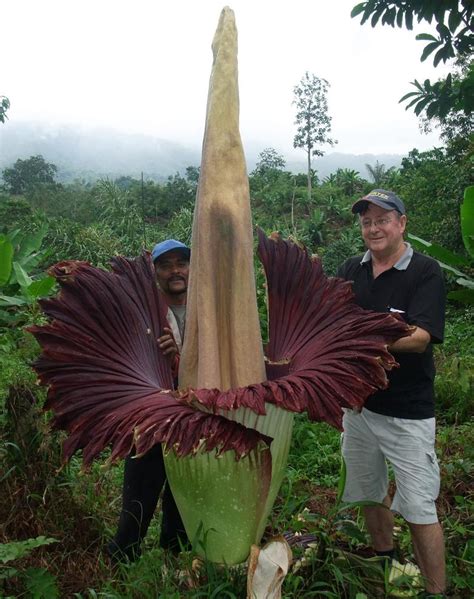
382	230
172	272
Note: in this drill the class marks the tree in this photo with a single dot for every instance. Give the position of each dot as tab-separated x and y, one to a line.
192	175
270	185
454	39
380	173
432	185
4	106
26	174
269	159
312	118
454	124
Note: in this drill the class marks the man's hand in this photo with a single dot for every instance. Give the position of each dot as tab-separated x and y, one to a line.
167	344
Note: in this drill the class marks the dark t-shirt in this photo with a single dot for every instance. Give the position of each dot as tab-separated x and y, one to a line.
417	294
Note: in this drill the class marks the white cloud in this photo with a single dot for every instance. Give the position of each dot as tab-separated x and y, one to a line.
143	66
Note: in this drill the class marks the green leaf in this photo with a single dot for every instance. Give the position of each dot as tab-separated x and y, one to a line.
453	20
426	37
466	296
376	16
30	262
15	236
433	110
31	243
8	319
6	257
400	17
12	300
389	17
369	7
409	95
429	48
465	282
467	220
443	30
449	259
421	105
357	9
21	276
442	54
414	102
41	288
342	481
8	573
41	584
351	530
16	549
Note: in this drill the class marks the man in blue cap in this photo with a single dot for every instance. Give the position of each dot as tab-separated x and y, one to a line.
171	260
397	424
145	477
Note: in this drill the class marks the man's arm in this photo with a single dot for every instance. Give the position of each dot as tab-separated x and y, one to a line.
417	342
425	311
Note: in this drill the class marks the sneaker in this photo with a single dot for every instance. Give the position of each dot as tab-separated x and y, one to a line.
403	580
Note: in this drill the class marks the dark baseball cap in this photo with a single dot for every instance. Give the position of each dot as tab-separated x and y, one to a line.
167	246
380	197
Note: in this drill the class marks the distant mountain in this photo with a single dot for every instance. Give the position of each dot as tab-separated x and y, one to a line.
325	165
93	154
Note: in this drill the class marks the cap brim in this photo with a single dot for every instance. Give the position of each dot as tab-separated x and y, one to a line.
185	251
361	205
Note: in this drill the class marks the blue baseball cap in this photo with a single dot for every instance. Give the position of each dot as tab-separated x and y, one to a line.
167	246
380	197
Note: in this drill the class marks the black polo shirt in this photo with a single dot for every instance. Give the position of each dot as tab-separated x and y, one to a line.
413	288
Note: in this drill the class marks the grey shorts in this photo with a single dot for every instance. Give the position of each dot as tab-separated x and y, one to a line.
369	440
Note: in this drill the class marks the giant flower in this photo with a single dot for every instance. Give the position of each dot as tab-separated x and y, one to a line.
227	430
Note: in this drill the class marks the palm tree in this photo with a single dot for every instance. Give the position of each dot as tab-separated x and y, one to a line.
379	173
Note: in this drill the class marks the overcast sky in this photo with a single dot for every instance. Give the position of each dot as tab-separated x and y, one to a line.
144	65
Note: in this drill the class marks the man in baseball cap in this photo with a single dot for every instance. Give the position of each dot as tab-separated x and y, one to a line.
397	424
145	476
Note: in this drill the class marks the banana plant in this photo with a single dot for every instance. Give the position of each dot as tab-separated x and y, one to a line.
20	256
457	265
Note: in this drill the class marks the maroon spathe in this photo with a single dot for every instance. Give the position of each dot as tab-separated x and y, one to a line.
109	383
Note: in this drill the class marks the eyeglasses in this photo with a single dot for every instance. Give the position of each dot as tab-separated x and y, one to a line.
378	222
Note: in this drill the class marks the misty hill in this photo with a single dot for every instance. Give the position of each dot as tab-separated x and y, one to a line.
92	154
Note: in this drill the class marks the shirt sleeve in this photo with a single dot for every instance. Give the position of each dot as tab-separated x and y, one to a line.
427	305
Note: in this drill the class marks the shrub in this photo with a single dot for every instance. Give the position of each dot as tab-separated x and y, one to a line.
336	252
454	384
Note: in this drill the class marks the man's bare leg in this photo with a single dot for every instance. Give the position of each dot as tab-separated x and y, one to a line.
379	521
428	545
